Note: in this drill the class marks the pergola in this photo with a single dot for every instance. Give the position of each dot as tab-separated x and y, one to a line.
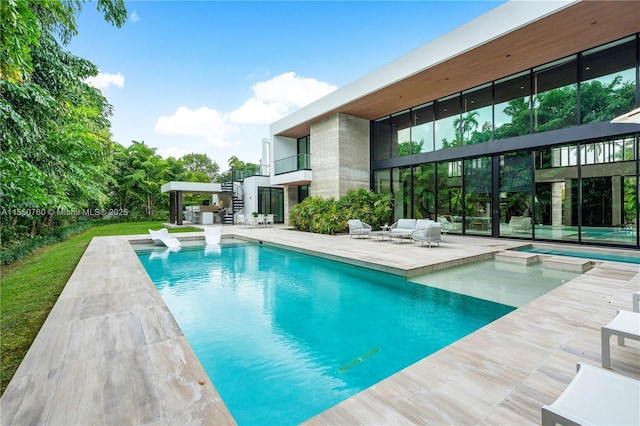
176	189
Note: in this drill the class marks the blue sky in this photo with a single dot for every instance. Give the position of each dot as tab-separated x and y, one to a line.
210	76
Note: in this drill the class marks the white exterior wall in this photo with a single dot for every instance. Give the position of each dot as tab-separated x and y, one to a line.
250	187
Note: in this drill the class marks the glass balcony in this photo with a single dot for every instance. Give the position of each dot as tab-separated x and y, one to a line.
292	164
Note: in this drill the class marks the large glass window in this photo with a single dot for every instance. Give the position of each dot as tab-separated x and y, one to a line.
477	198
607	191
401	186
401	134
422	129
512	108
424	197
556	172
450	203
382	181
271	201
447	126
608	81
515	189
555	95
476	123
381	138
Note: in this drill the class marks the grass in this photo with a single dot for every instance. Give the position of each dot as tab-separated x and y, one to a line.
31	286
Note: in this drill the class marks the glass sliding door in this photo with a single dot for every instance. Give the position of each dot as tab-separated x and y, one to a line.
401	186
556	174
449	200
608	181
515	195
477	196
424	197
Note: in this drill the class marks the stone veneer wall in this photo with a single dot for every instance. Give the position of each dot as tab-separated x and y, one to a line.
339	155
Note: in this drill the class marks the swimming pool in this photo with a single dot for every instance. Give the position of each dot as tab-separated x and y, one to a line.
285	336
615	256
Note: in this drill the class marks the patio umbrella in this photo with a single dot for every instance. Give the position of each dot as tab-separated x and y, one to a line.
631	117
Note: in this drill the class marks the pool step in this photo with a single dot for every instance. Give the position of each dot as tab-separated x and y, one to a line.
519	257
566	263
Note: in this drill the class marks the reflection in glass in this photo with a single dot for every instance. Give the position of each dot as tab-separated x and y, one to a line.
449	177
477	117
401	134
512	106
422	129
381	138
401	190
555	95
515	187
477	199
447	126
607	87
423	191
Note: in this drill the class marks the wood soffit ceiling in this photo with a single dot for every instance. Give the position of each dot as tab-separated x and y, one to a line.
579	27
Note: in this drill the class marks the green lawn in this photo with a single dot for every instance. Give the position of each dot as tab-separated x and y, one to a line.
30	287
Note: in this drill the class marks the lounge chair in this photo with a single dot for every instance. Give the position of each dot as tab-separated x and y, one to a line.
625	325
402	229
520	224
161	237
212	235
597	397
269	220
358	228
431	234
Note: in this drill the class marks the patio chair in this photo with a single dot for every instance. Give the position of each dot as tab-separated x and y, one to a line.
625	325
402	229
358	228
241	220
269	220
431	234
212	235
161	237
597	397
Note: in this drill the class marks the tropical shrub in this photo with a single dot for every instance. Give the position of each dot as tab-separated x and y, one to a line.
330	216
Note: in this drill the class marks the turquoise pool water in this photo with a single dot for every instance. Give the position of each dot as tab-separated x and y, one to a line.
285	336
601	255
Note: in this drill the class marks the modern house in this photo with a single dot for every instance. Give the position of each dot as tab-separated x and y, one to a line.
501	127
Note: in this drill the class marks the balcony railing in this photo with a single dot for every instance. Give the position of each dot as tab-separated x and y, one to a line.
292	164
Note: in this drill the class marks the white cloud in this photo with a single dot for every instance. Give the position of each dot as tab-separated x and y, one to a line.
202	122
245	126
279	96
104	80
134	16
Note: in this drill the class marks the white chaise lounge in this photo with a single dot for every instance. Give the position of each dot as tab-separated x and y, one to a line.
161	237
595	396
358	228
212	235
625	325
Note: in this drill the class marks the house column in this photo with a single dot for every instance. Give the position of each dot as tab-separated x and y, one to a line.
179	207
172	207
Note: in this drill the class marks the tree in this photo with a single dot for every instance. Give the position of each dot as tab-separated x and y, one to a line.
199	168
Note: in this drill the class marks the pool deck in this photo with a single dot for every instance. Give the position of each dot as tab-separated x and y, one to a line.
111	353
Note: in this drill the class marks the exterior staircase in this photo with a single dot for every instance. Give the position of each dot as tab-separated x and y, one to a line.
237	205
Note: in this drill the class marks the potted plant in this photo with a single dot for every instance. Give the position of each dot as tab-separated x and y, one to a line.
254	214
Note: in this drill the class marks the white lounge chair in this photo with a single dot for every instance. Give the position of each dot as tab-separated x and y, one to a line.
358	228
269	220
431	234
625	325
595	397
161	237
212	235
